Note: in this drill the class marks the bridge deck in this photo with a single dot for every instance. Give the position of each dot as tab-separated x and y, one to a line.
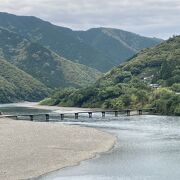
128	112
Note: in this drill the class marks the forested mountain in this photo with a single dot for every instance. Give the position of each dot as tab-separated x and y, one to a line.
43	64
38	52
150	79
100	48
118	45
16	85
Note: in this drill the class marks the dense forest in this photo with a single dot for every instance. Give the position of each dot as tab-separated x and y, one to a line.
151	79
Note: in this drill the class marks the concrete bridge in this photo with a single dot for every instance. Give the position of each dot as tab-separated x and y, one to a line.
128	112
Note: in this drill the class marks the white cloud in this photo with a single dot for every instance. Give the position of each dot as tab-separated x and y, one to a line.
148	17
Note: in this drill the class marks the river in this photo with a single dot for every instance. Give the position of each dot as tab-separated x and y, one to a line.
148	148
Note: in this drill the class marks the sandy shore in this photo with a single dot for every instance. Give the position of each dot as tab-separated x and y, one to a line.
30	149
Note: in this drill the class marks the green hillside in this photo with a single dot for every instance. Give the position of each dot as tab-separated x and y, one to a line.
101	48
43	64
118	45
59	39
16	85
150	79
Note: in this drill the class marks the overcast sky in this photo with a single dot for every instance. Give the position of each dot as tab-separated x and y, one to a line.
154	18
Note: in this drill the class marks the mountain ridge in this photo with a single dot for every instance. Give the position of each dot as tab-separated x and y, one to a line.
17	85
102	55
42	63
58	57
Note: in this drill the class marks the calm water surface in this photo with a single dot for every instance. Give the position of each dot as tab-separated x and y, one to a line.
19	108
148	148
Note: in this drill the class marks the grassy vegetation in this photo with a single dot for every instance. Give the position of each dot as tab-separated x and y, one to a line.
131	85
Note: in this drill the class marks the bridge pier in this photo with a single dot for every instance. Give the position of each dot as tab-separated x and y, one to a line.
47	117
90	114
103	114
128	112
152	110
76	115
116	113
31	117
140	111
62	116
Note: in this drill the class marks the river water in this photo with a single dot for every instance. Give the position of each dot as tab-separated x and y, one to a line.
148	148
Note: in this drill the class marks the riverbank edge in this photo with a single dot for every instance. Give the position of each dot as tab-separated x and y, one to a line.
94	156
90	155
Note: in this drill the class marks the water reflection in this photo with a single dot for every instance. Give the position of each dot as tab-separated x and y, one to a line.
17	110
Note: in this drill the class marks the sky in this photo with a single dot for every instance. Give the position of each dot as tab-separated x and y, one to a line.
152	18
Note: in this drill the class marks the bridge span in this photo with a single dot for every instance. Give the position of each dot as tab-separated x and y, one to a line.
62	116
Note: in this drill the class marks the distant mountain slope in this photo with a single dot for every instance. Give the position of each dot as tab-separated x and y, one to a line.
117	44
43	64
100	48
60	40
159	64
16	85
150	79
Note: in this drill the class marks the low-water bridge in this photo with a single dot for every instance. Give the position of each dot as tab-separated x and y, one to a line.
128	112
